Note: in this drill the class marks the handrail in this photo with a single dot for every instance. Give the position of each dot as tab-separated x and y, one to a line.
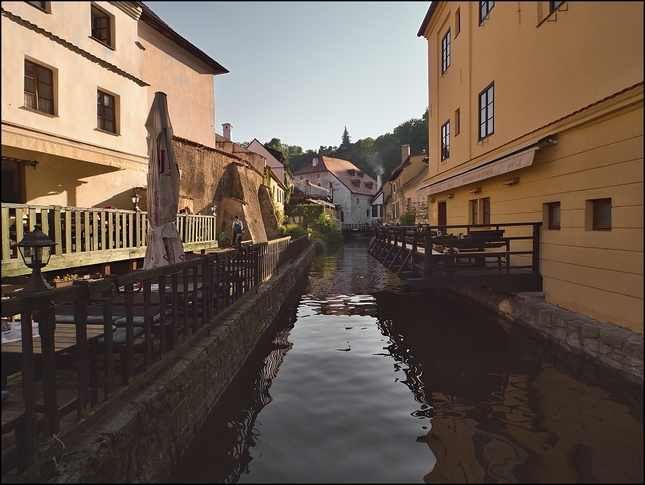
190	295
442	253
90	235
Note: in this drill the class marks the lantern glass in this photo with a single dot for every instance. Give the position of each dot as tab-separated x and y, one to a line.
35	250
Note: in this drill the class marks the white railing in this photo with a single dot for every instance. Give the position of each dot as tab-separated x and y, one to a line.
85	236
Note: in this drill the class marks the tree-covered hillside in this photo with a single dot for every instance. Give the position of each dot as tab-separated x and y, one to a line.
378	156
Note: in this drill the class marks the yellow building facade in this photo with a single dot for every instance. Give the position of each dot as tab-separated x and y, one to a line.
536	114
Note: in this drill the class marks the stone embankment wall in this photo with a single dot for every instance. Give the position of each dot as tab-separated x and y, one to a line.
617	349
148	427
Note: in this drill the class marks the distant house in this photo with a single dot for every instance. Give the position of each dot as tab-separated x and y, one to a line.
274	163
351	189
78	80
402	184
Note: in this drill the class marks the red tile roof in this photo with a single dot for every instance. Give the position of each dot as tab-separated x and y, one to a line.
346	172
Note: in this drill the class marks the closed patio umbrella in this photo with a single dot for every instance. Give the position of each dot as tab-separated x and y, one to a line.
164	244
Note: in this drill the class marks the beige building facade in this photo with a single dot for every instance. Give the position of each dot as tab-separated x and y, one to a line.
78	80
536	114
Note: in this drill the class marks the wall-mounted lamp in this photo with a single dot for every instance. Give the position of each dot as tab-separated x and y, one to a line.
450	195
214	209
513	181
35	250
551	141
475	190
432	200
33	163
135	200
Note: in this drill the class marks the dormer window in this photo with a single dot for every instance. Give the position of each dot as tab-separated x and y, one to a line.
360	174
356	183
351	171
368	185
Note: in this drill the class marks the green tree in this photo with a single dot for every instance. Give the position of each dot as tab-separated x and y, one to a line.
346	141
409	217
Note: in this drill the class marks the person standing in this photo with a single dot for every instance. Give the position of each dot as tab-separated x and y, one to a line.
238	229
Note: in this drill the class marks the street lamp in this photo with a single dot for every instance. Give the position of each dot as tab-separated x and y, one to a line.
35	250
135	200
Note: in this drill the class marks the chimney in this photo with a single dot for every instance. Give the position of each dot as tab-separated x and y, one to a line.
378	181
227	130
405	152
314	162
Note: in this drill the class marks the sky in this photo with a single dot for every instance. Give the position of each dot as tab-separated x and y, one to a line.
303	71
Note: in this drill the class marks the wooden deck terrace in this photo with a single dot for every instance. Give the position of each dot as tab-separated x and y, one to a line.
89	236
98	336
504	257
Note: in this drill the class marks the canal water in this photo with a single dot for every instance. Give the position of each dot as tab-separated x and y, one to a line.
359	380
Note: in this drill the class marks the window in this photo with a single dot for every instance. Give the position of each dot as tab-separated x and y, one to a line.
553	216
317	175
358	201
445	52
39	88
485	203
105	112
474	211
601	214
457	121
445	141
102	26
457	22
486	111
45	6
552	5
484	10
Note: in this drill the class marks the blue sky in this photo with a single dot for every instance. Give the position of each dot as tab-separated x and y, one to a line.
302	71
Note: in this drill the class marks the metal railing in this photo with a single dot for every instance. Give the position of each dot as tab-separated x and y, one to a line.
155	311
91	235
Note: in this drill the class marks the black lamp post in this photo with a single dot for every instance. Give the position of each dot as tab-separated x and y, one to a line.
35	250
135	200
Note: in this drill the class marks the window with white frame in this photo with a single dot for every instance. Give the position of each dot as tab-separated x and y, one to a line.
486	111
445	141
445	52
484	10
39	87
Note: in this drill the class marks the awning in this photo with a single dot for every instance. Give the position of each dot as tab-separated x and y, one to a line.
482	172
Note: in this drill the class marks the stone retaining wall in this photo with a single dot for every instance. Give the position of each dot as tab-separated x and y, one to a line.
617	349
150	424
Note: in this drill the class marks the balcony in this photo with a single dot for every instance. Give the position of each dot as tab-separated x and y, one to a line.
89	236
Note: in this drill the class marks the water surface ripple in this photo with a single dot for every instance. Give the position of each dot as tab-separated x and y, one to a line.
359	380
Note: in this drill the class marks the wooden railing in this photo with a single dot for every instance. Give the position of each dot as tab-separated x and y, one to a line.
155	311
86	236
505	257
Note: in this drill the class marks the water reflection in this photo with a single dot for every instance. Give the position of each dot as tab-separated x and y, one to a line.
501	409
371	383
